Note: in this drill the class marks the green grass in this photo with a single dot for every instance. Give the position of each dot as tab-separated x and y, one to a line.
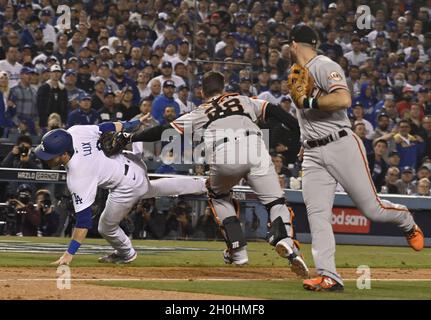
286	290
260	255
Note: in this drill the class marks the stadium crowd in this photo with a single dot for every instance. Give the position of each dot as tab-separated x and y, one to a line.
122	59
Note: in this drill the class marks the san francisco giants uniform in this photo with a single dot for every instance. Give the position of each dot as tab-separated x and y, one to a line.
234	148
341	158
124	175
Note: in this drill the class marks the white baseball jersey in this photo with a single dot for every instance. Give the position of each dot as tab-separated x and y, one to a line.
89	168
328	77
13	70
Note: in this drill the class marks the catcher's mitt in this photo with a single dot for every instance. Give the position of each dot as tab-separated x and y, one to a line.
300	83
113	143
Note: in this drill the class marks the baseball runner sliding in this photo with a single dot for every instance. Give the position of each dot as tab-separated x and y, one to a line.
333	153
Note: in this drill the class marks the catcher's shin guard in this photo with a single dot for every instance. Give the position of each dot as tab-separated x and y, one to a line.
278	229
235	238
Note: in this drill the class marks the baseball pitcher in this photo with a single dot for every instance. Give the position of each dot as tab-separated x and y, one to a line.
333	153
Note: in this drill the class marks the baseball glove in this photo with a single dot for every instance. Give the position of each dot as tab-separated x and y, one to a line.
300	83
113	143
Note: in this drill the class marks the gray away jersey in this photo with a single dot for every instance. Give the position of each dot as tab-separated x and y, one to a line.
221	113
328	77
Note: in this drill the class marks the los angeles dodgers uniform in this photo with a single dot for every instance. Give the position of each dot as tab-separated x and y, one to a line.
124	175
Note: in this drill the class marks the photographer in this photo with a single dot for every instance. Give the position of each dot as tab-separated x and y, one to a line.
50	218
178	223
148	222
22	155
206	227
27	217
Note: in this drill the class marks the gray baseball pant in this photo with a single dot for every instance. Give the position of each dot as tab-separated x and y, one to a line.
262	180
345	161
123	198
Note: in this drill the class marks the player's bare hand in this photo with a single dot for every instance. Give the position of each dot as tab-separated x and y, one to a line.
65	259
300	155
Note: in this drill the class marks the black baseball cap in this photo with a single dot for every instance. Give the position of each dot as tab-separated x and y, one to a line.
166	64
407	169
183	86
304	34
168	83
109	92
382	115
358	104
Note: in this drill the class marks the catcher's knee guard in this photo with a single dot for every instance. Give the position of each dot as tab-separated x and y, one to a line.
235	238
212	194
277	231
278	201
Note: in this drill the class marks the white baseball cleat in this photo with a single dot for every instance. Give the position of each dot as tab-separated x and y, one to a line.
237	257
297	263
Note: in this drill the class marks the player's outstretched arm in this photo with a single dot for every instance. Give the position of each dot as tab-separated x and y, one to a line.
151	134
278	113
83	223
126	126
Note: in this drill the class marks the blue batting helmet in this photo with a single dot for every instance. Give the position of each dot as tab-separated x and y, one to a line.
54	143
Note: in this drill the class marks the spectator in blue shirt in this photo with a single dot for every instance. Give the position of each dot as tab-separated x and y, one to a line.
84	114
73	92
409	147
368	101
165	100
121	80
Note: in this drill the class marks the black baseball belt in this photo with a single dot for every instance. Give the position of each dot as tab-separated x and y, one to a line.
226	139
324	141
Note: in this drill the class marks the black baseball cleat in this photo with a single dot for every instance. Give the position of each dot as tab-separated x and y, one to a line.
117	259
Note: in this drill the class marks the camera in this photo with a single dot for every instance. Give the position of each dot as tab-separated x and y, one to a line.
46	204
23	150
12	203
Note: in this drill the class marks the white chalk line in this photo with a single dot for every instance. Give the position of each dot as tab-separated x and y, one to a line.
192	279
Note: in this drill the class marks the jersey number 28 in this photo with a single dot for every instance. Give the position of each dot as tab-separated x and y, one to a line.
229	108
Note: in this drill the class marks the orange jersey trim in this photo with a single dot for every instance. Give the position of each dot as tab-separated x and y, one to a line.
337	86
365	161
177	127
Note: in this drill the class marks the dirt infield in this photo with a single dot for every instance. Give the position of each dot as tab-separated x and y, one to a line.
40	283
